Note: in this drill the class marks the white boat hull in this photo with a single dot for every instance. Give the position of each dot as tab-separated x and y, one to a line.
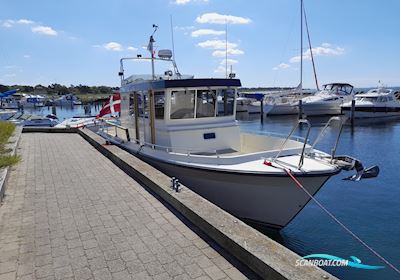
321	109
263	199
281	109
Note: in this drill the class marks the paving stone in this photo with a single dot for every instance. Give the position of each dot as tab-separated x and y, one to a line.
61	220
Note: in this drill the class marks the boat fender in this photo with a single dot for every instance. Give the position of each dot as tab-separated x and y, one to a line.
267	163
175	184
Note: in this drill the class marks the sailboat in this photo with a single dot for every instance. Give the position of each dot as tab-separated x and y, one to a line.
286	102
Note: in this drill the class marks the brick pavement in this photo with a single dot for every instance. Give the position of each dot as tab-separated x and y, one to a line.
69	213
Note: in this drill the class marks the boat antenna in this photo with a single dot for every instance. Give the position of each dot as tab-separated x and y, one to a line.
311	50
301	48
177	73
226	49
150	48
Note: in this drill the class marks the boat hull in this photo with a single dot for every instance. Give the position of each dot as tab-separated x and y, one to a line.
266	200
321	109
372	112
272	110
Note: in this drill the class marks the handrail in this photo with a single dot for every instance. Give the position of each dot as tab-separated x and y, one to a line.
191	151
268	133
321	134
304	144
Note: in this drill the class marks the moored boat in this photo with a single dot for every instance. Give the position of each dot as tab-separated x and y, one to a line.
329	100
376	103
176	125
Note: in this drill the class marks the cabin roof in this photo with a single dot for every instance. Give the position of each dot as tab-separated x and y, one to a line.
338	84
181	83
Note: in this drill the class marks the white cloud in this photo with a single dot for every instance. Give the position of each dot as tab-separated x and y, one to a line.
220	53
130	48
230	61
216	44
281	66
184	2
113	46
221	19
7	23
27	56
45	30
10	23
204	32
25	21
326	45
319	51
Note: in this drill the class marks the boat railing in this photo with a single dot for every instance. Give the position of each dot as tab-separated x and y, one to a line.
120	131
274	134
322	133
301	161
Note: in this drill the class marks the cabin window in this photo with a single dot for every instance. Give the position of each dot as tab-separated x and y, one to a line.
159	104
226	102
145	105
131	104
205	103
182	104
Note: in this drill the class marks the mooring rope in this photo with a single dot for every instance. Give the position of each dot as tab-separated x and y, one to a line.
340	223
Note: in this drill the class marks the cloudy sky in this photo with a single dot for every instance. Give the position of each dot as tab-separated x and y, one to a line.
80	42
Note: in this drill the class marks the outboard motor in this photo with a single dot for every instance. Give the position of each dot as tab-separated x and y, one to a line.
349	163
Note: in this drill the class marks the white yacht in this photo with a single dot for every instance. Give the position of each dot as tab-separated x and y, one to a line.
329	100
175	125
284	102
376	103
247	104
67	100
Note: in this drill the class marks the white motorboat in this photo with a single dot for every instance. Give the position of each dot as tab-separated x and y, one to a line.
33	120
67	100
7	114
376	103
176	126
329	100
22	100
245	104
284	102
77	122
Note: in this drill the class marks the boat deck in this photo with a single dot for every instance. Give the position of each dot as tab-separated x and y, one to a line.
70	213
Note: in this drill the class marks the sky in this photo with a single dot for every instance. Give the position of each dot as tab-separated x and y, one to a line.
81	42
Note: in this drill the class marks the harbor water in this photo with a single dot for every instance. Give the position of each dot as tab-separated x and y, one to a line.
370	208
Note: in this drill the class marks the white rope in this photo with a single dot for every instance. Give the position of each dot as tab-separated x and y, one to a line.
340	223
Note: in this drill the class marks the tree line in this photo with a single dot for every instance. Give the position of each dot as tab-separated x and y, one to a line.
57	89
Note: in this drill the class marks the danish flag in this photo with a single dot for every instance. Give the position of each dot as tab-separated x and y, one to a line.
113	105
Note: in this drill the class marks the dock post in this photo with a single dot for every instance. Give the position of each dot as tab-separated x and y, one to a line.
262	110
300	109
353	105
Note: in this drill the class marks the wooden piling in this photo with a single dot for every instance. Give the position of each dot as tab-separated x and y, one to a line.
353	106
300	109
262	110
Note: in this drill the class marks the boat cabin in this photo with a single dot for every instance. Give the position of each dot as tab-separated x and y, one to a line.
337	88
191	114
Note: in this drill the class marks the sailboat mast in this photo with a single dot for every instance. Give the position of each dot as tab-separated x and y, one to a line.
301	47
311	50
226	50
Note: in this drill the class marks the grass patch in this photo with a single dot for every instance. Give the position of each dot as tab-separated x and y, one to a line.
7	160
6	130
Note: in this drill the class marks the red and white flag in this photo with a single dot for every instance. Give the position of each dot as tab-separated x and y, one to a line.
113	105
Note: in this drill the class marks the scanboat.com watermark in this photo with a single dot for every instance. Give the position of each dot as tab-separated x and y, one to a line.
329	260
